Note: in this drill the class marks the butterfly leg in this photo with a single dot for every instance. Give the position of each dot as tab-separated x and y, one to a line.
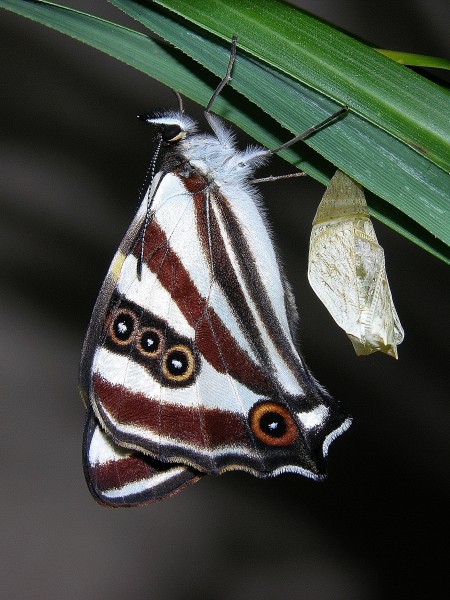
270	178
310	131
222	84
291	142
301	136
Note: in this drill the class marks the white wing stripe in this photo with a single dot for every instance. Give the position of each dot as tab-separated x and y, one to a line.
151	295
138	487
182	235
285	376
214	388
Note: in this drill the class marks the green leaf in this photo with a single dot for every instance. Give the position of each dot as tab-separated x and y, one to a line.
379	161
413	183
416	60
331	62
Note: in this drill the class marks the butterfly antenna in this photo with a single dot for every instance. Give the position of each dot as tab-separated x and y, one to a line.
180	101
151	172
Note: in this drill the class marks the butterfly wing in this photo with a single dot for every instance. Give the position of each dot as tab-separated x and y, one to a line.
117	477
194	361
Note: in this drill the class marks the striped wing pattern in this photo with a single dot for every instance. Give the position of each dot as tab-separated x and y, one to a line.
122	478
194	369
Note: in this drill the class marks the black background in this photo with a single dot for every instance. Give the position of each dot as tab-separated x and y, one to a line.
73	157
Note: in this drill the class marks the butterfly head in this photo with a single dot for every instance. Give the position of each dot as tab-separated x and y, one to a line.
172	126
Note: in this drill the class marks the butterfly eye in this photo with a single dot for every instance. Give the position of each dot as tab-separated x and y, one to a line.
178	363
273	425
172	133
122	328
150	342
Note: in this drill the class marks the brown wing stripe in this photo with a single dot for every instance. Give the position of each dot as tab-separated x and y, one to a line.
225	273
212	338
170	420
117	473
255	285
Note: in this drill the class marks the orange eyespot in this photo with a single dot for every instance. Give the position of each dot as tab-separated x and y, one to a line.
178	363
272	424
122	327
150	342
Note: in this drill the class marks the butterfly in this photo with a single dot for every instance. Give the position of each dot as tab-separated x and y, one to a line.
190	366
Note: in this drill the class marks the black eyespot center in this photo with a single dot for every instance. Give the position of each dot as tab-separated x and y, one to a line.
122	328
273	424
150	342
178	363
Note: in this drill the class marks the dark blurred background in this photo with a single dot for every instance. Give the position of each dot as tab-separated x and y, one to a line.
73	158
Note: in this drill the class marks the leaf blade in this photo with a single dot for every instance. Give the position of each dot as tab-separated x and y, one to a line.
352	74
416	60
167	66
380	162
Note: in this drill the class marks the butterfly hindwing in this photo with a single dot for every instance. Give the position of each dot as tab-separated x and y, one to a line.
118	477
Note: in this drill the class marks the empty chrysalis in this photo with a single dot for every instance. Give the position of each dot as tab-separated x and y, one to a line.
347	271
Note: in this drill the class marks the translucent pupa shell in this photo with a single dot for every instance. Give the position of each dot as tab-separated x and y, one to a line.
347	270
